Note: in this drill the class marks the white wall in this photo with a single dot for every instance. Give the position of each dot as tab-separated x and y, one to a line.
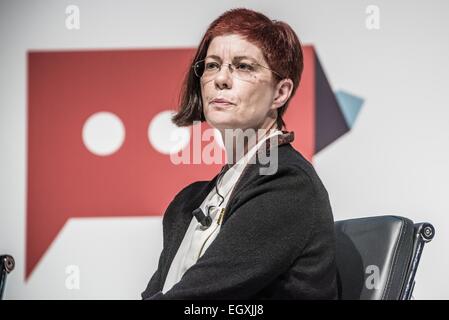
394	161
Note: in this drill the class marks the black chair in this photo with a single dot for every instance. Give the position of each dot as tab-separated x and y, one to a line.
377	257
6	266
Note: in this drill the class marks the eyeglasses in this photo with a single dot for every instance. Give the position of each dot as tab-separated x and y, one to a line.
241	70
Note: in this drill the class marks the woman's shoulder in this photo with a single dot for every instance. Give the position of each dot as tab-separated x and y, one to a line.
189	191
291	159
184	200
288	164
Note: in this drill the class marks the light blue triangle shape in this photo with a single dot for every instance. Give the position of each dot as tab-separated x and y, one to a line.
350	106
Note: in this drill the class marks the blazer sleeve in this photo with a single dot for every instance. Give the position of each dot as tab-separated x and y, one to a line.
270	223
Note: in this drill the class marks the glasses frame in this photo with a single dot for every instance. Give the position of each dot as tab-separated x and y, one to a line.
231	67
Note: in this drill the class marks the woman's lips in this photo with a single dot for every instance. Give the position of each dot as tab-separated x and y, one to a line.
222	104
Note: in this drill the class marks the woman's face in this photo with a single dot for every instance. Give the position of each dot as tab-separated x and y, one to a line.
252	98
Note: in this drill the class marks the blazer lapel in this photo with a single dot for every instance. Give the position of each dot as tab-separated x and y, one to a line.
182	223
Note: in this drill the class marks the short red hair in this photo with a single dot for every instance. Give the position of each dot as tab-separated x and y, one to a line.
278	42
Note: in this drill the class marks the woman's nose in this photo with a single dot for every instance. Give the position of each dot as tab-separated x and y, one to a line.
223	78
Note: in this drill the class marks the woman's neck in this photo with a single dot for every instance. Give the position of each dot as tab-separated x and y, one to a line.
238	142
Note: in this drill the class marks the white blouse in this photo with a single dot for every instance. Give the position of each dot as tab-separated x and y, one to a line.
197	239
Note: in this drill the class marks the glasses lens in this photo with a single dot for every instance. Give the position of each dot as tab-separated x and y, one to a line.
198	68
245	71
208	70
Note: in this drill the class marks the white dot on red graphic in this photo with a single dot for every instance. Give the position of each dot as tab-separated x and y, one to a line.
103	133
165	136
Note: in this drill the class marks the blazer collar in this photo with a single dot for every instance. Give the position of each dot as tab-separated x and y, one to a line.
284	138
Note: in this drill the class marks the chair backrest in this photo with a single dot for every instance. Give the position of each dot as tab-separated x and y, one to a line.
377	257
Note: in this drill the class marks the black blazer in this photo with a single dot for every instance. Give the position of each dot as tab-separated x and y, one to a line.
276	242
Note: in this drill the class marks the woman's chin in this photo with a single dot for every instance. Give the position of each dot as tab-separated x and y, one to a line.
222	123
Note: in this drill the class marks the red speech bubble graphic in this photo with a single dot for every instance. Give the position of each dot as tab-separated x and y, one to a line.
66	179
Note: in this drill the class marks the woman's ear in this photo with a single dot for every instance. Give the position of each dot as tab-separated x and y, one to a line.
282	93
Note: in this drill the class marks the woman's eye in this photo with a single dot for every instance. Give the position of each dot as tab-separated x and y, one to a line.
211	65
245	67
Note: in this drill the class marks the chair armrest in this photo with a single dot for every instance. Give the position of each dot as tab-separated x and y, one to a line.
7	265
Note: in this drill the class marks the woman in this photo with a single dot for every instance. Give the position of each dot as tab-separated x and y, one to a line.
246	234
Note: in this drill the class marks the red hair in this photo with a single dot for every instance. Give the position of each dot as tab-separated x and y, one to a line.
278	42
